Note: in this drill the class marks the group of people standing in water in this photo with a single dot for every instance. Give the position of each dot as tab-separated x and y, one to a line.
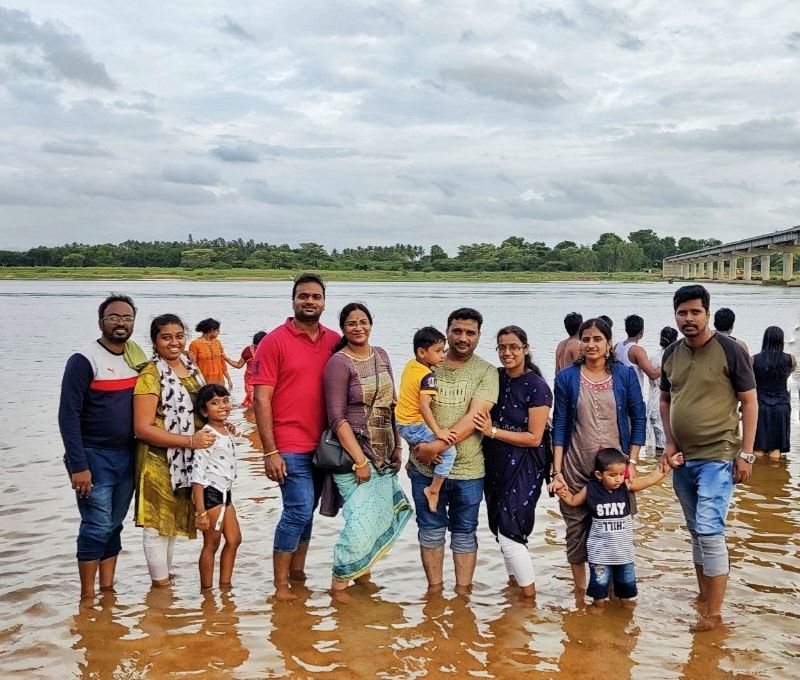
156	428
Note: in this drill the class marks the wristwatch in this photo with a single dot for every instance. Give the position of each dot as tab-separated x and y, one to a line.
494	432
747	457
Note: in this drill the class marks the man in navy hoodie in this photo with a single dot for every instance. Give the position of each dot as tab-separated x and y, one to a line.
95	417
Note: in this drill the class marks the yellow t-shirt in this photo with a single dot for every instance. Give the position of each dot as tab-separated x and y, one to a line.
417	379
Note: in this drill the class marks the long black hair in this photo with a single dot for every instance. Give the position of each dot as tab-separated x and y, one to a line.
523	338
605	329
347	310
772	349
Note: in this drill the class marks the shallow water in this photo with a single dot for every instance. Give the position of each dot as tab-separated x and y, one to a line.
392	631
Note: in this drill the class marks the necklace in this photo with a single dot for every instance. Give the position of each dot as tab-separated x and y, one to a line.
357	357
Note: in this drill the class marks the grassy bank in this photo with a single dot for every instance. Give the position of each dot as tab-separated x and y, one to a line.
144	273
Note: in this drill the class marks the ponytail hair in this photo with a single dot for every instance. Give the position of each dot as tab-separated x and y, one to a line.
523	338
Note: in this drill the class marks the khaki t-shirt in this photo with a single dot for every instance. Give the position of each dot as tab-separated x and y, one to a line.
703	384
457	387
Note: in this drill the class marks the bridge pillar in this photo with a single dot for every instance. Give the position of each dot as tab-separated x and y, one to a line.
788	266
747	274
722	276
710	269
694	269
734	261
764	268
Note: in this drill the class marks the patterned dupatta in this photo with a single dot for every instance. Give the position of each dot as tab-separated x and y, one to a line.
178	418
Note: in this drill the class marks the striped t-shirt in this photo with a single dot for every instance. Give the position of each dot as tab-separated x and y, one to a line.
611	535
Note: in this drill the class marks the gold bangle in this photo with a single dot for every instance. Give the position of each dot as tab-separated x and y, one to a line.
191	441
358	466
271	453
200	514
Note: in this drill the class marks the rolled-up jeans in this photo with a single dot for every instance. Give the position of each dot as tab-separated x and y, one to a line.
459	502
103	511
300	491
704	489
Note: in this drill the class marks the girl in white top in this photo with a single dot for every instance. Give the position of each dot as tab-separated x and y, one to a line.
212	476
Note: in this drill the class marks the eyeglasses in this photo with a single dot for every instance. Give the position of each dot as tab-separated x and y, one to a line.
356	324
116	318
510	348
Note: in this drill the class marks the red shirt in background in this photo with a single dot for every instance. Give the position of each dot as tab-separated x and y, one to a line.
291	362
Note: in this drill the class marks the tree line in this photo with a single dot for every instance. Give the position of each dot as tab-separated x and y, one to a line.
643	249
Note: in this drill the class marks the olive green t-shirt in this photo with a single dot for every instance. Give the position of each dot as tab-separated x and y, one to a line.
457	387
704	383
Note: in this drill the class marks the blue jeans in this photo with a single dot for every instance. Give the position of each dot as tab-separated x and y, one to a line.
623	576
459	501
704	488
416	433
104	510
300	492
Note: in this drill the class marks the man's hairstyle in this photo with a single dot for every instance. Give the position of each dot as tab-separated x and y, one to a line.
115	297
427	337
205	394
724	319
572	322
605	458
465	314
258	337
607	319
634	324
693	292
308	277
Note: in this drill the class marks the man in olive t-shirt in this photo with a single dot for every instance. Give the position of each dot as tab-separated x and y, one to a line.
466	385
704	377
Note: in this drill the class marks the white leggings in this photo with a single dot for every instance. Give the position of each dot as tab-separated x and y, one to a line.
518	560
158	551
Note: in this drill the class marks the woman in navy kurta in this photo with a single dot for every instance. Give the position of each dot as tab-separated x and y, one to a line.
516	459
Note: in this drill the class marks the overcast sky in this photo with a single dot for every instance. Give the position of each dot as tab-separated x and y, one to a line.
380	122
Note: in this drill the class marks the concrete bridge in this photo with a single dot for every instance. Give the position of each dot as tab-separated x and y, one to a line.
720	263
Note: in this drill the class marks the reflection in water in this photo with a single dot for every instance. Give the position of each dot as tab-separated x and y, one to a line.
395	632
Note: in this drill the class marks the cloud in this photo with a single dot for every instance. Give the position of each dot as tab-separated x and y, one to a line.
235	30
190	174
63	53
780	135
629	42
548	15
76	147
261	191
238	153
509	81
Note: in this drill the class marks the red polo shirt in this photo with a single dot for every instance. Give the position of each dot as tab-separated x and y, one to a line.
291	362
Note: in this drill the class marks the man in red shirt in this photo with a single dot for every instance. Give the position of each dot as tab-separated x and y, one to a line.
289	405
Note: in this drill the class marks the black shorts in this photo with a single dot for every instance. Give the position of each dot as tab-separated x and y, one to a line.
213	497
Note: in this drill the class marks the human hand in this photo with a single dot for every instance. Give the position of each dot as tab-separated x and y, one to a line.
202	522
743	471
82	483
275	468
397	459
232	429
427	454
482	422
670	452
363	474
229	383
203	439
556	486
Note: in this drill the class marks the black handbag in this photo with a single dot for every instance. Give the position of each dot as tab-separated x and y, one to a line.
330	456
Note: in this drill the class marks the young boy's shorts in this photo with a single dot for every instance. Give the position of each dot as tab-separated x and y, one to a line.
213	497
623	576
416	433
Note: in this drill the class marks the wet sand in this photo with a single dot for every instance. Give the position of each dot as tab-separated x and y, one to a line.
392	630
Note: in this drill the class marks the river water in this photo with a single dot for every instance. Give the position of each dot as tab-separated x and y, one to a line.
393	631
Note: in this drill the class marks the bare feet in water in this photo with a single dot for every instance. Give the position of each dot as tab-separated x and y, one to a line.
283	593
297	575
709	622
433	498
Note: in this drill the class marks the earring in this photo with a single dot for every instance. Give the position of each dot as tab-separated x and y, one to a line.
607	354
